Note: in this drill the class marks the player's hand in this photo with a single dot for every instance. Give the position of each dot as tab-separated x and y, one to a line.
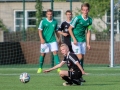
65	34
59	42
88	46
75	41
84	73
42	41
46	71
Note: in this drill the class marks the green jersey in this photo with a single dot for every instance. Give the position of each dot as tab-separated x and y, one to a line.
80	25
48	30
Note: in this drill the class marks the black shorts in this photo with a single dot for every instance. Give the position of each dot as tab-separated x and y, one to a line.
75	74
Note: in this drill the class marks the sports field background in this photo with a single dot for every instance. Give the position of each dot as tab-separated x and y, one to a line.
19	52
99	78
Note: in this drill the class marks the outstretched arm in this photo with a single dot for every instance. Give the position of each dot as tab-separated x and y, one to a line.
55	67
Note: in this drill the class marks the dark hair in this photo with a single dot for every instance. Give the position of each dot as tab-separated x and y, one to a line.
49	10
85	5
68	11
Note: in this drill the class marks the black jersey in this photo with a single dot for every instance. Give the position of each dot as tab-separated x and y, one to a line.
71	60
64	27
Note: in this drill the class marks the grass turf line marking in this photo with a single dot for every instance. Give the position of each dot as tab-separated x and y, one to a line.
55	74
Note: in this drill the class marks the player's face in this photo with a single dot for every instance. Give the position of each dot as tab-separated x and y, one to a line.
69	15
49	15
64	50
85	10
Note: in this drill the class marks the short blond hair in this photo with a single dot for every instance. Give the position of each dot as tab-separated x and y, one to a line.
64	45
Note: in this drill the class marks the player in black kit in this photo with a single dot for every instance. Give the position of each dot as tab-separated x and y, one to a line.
63	30
75	71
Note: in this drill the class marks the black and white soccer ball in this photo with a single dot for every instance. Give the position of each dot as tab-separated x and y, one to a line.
24	77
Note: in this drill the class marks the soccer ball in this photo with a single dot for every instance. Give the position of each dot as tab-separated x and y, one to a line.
24	77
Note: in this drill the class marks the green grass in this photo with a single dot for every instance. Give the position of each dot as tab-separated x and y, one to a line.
99	78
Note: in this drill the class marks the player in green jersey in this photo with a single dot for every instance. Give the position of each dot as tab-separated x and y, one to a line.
47	30
80	30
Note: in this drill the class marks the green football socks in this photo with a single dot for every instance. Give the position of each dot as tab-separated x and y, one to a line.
57	61
52	60
41	60
56	58
81	62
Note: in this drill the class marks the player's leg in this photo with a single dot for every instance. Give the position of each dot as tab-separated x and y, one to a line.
54	49
75	77
41	61
70	48
52	60
44	49
65	76
56	59
83	51
79	52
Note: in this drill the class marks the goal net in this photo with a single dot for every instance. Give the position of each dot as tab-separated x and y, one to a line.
22	47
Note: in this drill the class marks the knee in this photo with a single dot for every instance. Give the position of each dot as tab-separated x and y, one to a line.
61	74
79	56
43	54
55	53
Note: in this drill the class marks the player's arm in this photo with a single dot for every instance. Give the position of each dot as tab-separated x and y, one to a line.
75	60
55	67
41	37
57	34
88	37
80	67
60	29
72	25
62	33
40	28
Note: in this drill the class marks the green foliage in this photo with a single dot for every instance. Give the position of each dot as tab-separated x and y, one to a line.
59	0
98	7
39	9
2	26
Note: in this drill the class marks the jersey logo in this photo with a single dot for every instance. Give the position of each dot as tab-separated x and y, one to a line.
66	26
53	25
66	30
46	24
76	50
81	23
72	73
43	50
68	63
87	23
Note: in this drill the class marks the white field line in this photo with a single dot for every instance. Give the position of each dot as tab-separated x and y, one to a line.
86	68
55	74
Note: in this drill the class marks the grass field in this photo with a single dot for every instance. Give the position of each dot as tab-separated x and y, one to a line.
100	78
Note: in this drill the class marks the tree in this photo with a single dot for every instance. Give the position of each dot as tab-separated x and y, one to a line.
2	26
39	9
98	8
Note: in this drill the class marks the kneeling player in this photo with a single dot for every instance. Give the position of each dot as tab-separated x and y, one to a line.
75	71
